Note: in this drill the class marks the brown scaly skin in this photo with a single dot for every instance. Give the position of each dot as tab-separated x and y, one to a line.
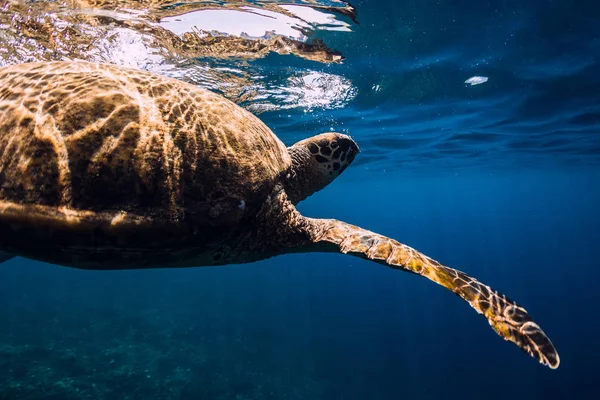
506	317
109	168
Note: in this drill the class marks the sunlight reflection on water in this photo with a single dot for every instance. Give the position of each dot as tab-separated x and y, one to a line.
211	45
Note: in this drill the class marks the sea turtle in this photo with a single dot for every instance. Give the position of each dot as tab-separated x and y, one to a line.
104	167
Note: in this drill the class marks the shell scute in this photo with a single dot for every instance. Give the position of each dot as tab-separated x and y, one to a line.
113	141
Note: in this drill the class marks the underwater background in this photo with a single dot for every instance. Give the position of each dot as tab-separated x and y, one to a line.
499	179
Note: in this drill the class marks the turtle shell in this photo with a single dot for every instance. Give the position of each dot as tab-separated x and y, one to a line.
96	146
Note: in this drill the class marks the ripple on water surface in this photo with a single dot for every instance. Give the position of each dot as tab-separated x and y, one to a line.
400	81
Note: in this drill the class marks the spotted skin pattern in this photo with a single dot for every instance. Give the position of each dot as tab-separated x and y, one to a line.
103	167
331	153
316	162
506	317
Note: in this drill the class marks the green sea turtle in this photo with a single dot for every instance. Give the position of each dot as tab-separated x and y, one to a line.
103	167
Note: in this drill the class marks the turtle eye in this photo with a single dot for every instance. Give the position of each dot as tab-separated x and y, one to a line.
334	144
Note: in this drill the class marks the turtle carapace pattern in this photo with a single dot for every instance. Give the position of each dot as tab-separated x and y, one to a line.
104	167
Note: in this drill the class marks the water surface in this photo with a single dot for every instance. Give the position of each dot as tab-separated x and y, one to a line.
498	179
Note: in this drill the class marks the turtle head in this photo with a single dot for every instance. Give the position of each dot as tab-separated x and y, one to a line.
316	162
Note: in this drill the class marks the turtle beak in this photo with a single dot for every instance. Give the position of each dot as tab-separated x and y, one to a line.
349	150
353	149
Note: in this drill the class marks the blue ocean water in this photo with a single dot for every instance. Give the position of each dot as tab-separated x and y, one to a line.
500	180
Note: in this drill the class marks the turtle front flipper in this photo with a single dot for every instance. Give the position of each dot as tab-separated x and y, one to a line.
508	319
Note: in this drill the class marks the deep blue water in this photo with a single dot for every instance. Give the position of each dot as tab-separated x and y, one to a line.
408	61
500	180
